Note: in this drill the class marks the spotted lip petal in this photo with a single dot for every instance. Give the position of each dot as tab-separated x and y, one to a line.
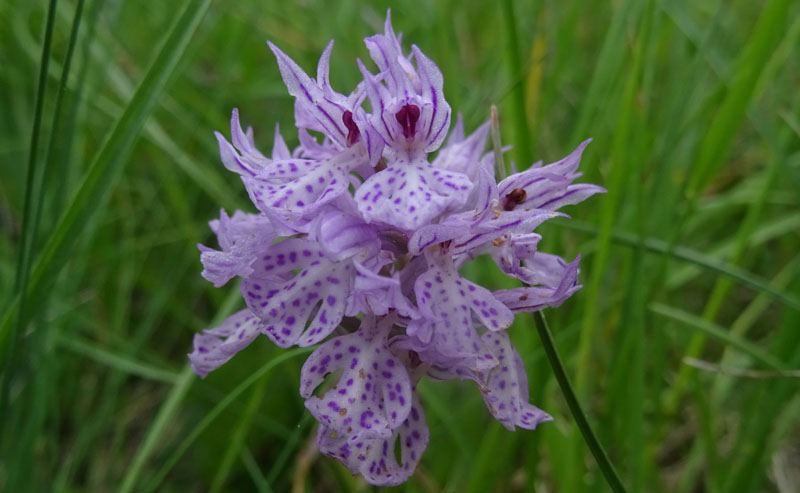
296	188
505	387
408	195
373	394
299	294
447	303
374	458
214	347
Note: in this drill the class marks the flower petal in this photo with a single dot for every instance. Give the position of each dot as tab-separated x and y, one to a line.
295	187
377	294
373	394
299	294
408	195
374	458
325	113
505	387
447	303
214	347
241	238
559	281
550	187
432	85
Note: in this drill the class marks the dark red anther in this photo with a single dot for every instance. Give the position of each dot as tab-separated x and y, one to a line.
514	198
407	118
353	134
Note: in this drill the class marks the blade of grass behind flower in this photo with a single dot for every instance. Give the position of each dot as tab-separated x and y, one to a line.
107	165
747	319
723	285
766	231
772	399
116	361
716	146
523	137
254	469
28	235
723	335
621	162
237	439
40	357
169	463
160	300
693	256
609	62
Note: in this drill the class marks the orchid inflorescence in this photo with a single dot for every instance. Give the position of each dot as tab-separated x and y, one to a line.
362	235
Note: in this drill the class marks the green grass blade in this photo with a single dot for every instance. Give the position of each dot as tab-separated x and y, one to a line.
254	469
693	256
116	361
28	235
523	137
62	89
236	443
719	333
130	480
107	165
722	130
170	406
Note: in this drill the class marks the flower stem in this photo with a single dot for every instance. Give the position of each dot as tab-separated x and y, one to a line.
574	406
497	146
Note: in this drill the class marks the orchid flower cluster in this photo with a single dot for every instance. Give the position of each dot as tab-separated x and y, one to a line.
361	235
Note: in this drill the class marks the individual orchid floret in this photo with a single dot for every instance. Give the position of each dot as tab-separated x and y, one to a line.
547	187
552	281
300	291
372	396
318	107
408	106
453	308
505	386
289	187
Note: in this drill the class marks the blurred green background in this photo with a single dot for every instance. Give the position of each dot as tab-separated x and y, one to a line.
683	346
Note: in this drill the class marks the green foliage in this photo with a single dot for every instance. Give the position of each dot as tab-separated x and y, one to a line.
693	253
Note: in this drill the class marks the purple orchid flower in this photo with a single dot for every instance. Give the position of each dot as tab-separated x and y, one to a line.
360	236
